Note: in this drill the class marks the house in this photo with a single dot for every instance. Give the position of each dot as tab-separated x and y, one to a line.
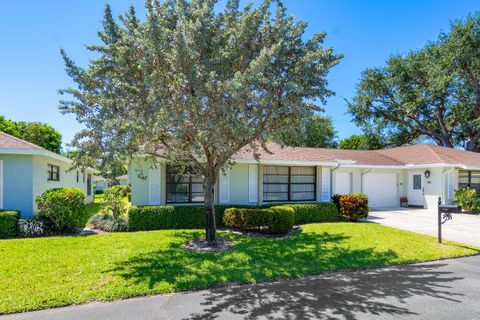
27	170
420	172
122	180
99	183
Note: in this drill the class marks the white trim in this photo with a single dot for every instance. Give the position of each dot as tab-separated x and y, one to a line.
253	183
1	184
286	162
42	152
326	184
154	187
224	186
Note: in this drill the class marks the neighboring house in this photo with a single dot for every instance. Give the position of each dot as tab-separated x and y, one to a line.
122	180
420	172
100	183
27	170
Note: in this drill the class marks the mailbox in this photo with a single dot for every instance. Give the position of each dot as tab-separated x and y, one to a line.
444	214
445	208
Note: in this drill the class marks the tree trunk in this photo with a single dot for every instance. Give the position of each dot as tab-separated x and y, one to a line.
211	226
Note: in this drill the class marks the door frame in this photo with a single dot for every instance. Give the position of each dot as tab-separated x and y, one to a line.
410	190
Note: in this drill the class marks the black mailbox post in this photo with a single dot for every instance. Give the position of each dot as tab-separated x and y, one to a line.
444	214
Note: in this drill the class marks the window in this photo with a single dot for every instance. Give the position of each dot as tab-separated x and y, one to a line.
183	187
78	174
289	183
89	184
469	179
417	181
83	176
53	173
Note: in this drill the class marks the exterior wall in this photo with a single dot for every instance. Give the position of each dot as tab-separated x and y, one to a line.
17	183
68	179
100	185
238	184
435	186
138	176
123	182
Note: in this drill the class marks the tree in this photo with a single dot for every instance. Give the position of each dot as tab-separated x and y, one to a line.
194	85
314	131
431	93
41	134
361	142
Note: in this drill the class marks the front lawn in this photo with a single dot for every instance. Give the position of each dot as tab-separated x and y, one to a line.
48	272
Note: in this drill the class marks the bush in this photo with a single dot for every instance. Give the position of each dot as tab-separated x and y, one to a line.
61	208
9	223
277	219
125	190
28	228
353	206
316	212
107	222
467	199
113	201
171	217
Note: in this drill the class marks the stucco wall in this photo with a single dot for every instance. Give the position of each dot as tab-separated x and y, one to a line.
138	176
17	183
238	184
68	179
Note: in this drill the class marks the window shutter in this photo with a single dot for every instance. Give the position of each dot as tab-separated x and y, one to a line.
1	184
225	186
154	188
325	184
450	185
253	183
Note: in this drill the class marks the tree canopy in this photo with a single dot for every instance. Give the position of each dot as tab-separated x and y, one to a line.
194	84
361	142
41	134
432	93
315	131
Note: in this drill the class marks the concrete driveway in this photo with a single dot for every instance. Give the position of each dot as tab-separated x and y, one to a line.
462	228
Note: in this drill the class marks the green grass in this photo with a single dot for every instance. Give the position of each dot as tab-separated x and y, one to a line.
56	271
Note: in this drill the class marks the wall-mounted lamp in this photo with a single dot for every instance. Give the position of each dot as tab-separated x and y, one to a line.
427	174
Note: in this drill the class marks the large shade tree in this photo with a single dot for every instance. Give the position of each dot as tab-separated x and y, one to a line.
315	131
194	83
432	93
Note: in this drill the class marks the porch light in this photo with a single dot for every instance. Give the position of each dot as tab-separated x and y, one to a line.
427	174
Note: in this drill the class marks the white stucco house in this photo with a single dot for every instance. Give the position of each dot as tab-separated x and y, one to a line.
27	170
123	180
422	173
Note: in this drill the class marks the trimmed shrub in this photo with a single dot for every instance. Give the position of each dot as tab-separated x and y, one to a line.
467	199
171	217
107	222
276	219
28	228
113	201
353	206
9	223
61	208
316	212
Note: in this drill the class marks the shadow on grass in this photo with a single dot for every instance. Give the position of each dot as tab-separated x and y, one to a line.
252	260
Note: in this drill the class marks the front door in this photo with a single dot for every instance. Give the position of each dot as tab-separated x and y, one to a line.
415	189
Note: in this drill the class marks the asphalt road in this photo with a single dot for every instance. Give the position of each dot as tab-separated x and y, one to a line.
448	289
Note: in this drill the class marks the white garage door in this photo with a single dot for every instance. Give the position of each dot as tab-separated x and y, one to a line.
381	189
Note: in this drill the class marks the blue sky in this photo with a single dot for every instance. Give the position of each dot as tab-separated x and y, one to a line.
366	32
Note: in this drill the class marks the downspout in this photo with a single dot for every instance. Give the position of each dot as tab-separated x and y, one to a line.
331	178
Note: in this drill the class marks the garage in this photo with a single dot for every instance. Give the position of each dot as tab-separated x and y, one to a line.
381	189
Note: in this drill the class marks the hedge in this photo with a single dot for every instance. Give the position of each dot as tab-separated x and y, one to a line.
171	217
274	220
352	207
193	216
315	212
9	223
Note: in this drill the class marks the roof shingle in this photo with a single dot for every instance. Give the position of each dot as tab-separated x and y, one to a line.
10	142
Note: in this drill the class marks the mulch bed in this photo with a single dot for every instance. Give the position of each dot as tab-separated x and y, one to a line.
201	245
